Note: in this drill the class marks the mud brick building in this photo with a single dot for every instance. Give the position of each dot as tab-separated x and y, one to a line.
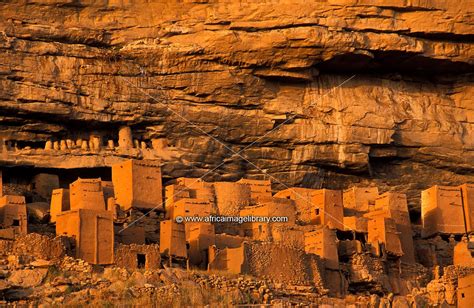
136	256
258	231
328	209
173	239
229	241
231	197
292	236
465	291
272	207
13	216
303	198
442	210
323	242
394	205
173	193
383	233
259	189
130	234
59	203
358	199
92	231
199	237
138	184
463	254
231	260
185	192
192	207
108	190
468	205
356	224
87	194
198	188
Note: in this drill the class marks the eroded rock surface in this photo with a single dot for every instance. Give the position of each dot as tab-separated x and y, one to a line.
314	94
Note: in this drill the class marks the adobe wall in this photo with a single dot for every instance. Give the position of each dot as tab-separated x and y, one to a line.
356	223
468	198
108	190
391	201
125	138
13	213
383	230
147	185
291	236
462	255
231	260
93	232
465	292
59	203
172	239
347	248
259	189
394	205
281	263
282	208
129	234
198	189
328	208
272	207
173	193
228	241
149	221
126	256
303	202
192	207
357	199
257	231
138	184
441	210
86	194
199	237
323	242
231	197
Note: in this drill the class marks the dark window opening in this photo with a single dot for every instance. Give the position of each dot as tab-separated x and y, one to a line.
141	260
16	223
361	237
462	295
317	211
344	235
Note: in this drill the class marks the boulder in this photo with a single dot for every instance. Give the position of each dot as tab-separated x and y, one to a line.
27	278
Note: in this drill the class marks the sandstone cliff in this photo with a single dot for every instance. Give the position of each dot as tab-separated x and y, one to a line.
365	91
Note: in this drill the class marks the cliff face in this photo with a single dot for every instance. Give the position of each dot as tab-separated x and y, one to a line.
315	94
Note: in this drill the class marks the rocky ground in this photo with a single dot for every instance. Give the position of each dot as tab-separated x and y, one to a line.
73	282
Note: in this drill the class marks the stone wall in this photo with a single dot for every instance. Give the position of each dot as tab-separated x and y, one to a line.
282	263
127	256
40	246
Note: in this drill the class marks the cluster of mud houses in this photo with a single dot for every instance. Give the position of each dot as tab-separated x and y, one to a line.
131	221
